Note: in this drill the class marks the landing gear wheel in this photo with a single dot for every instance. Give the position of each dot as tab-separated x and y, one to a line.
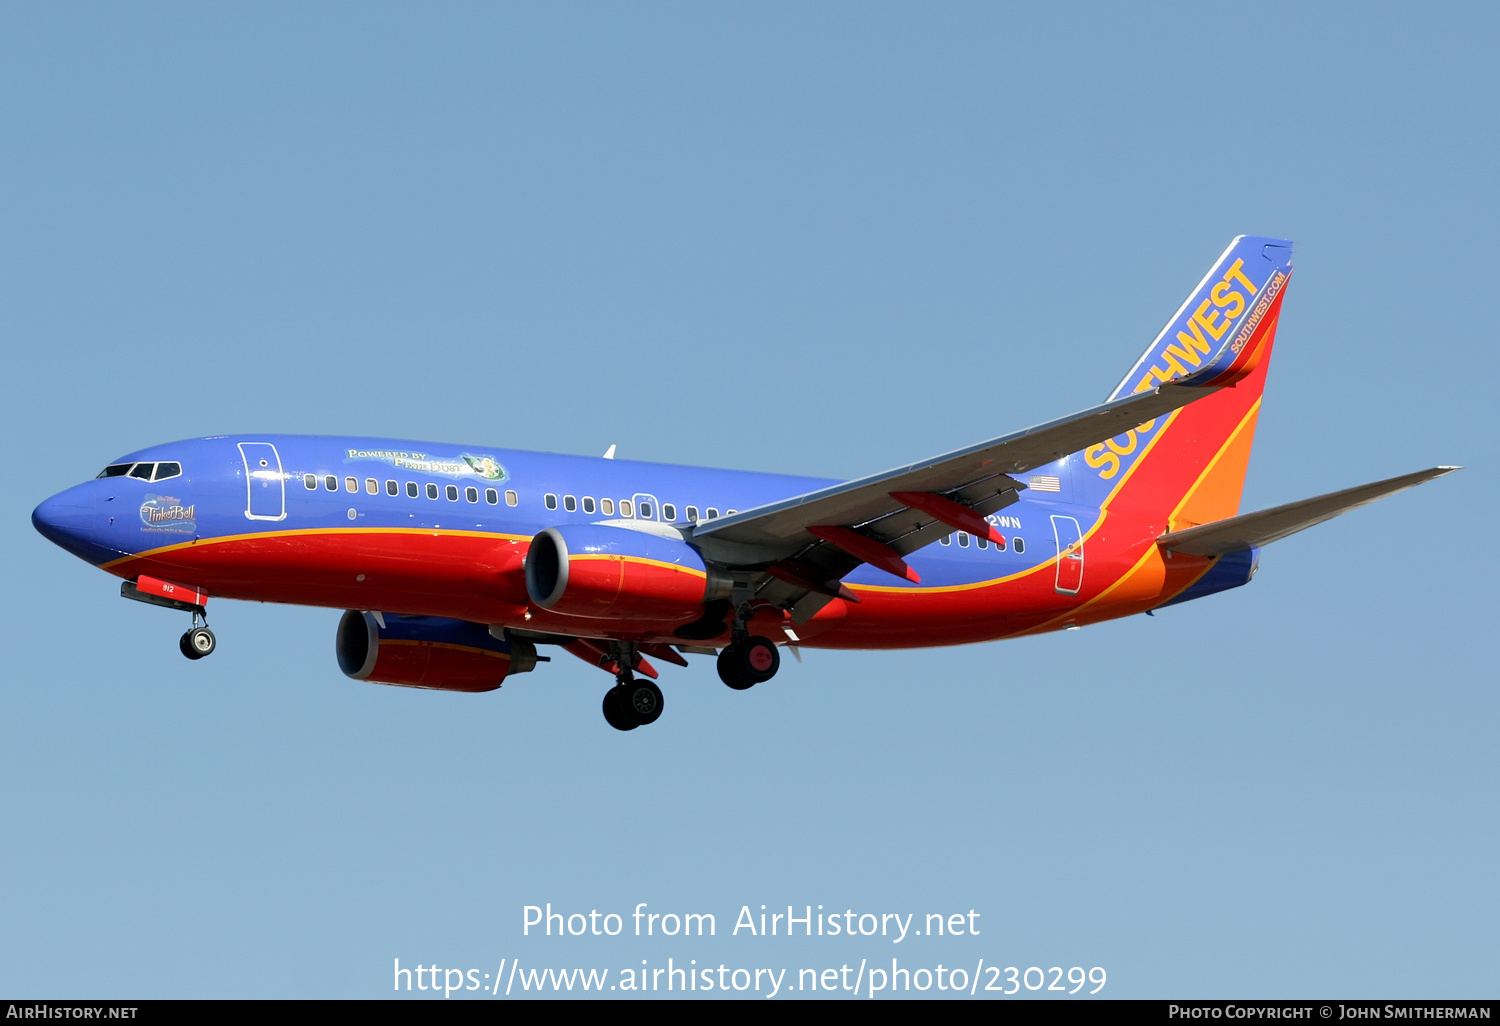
197	643
744	664
642	701
729	671
615	713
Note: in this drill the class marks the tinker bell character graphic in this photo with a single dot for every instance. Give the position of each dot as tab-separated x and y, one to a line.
485	467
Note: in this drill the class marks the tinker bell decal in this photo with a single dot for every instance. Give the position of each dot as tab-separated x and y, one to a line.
485	467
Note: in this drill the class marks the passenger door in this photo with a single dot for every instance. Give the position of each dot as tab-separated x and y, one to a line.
265	483
1069	554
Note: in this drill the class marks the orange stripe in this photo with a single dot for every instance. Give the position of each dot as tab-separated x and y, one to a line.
1103	516
1072	613
642	561
1246	420
307	532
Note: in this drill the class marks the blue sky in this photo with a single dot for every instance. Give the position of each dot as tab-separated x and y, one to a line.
811	239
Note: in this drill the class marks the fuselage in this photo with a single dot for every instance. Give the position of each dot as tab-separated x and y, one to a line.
435	529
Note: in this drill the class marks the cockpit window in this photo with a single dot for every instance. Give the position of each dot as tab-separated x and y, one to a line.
142	471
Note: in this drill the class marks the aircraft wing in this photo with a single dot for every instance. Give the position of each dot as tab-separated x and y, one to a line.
977	477
1267	525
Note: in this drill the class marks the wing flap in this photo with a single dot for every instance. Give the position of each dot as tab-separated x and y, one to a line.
1267	525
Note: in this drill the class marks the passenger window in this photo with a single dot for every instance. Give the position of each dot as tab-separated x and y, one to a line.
331	483
311	481
963	539
452	493
471	493
142	471
115	470
492	497
392	488
692	514
412	489
625	508
983	543
166	470
570	504
549	500
643	510
588	504
351	484
607	507
730	512
711	513
946	539
372	486
431	490
1019	544
668	512
511	498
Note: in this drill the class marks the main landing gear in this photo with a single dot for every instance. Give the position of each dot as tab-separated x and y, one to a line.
631	702
746	661
749	659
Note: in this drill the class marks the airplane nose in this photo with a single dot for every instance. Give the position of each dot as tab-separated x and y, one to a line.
60	518
73	520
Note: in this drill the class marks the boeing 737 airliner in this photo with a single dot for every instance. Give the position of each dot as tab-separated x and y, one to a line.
455	563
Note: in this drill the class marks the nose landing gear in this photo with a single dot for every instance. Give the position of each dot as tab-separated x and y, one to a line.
199	641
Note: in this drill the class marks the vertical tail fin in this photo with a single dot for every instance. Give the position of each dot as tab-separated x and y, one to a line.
1190	465
1230	302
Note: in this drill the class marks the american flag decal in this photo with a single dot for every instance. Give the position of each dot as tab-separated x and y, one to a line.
1044	483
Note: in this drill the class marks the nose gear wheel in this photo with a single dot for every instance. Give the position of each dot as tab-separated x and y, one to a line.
197	643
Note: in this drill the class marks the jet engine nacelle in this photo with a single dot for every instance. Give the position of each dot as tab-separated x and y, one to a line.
428	652
616	573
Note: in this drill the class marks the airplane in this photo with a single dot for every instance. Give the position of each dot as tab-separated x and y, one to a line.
455	563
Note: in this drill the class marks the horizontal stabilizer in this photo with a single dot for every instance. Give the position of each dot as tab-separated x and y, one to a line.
1267	525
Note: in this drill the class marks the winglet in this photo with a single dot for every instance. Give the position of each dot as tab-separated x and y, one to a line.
609	453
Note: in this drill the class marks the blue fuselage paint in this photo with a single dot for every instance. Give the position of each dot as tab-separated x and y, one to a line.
223	491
